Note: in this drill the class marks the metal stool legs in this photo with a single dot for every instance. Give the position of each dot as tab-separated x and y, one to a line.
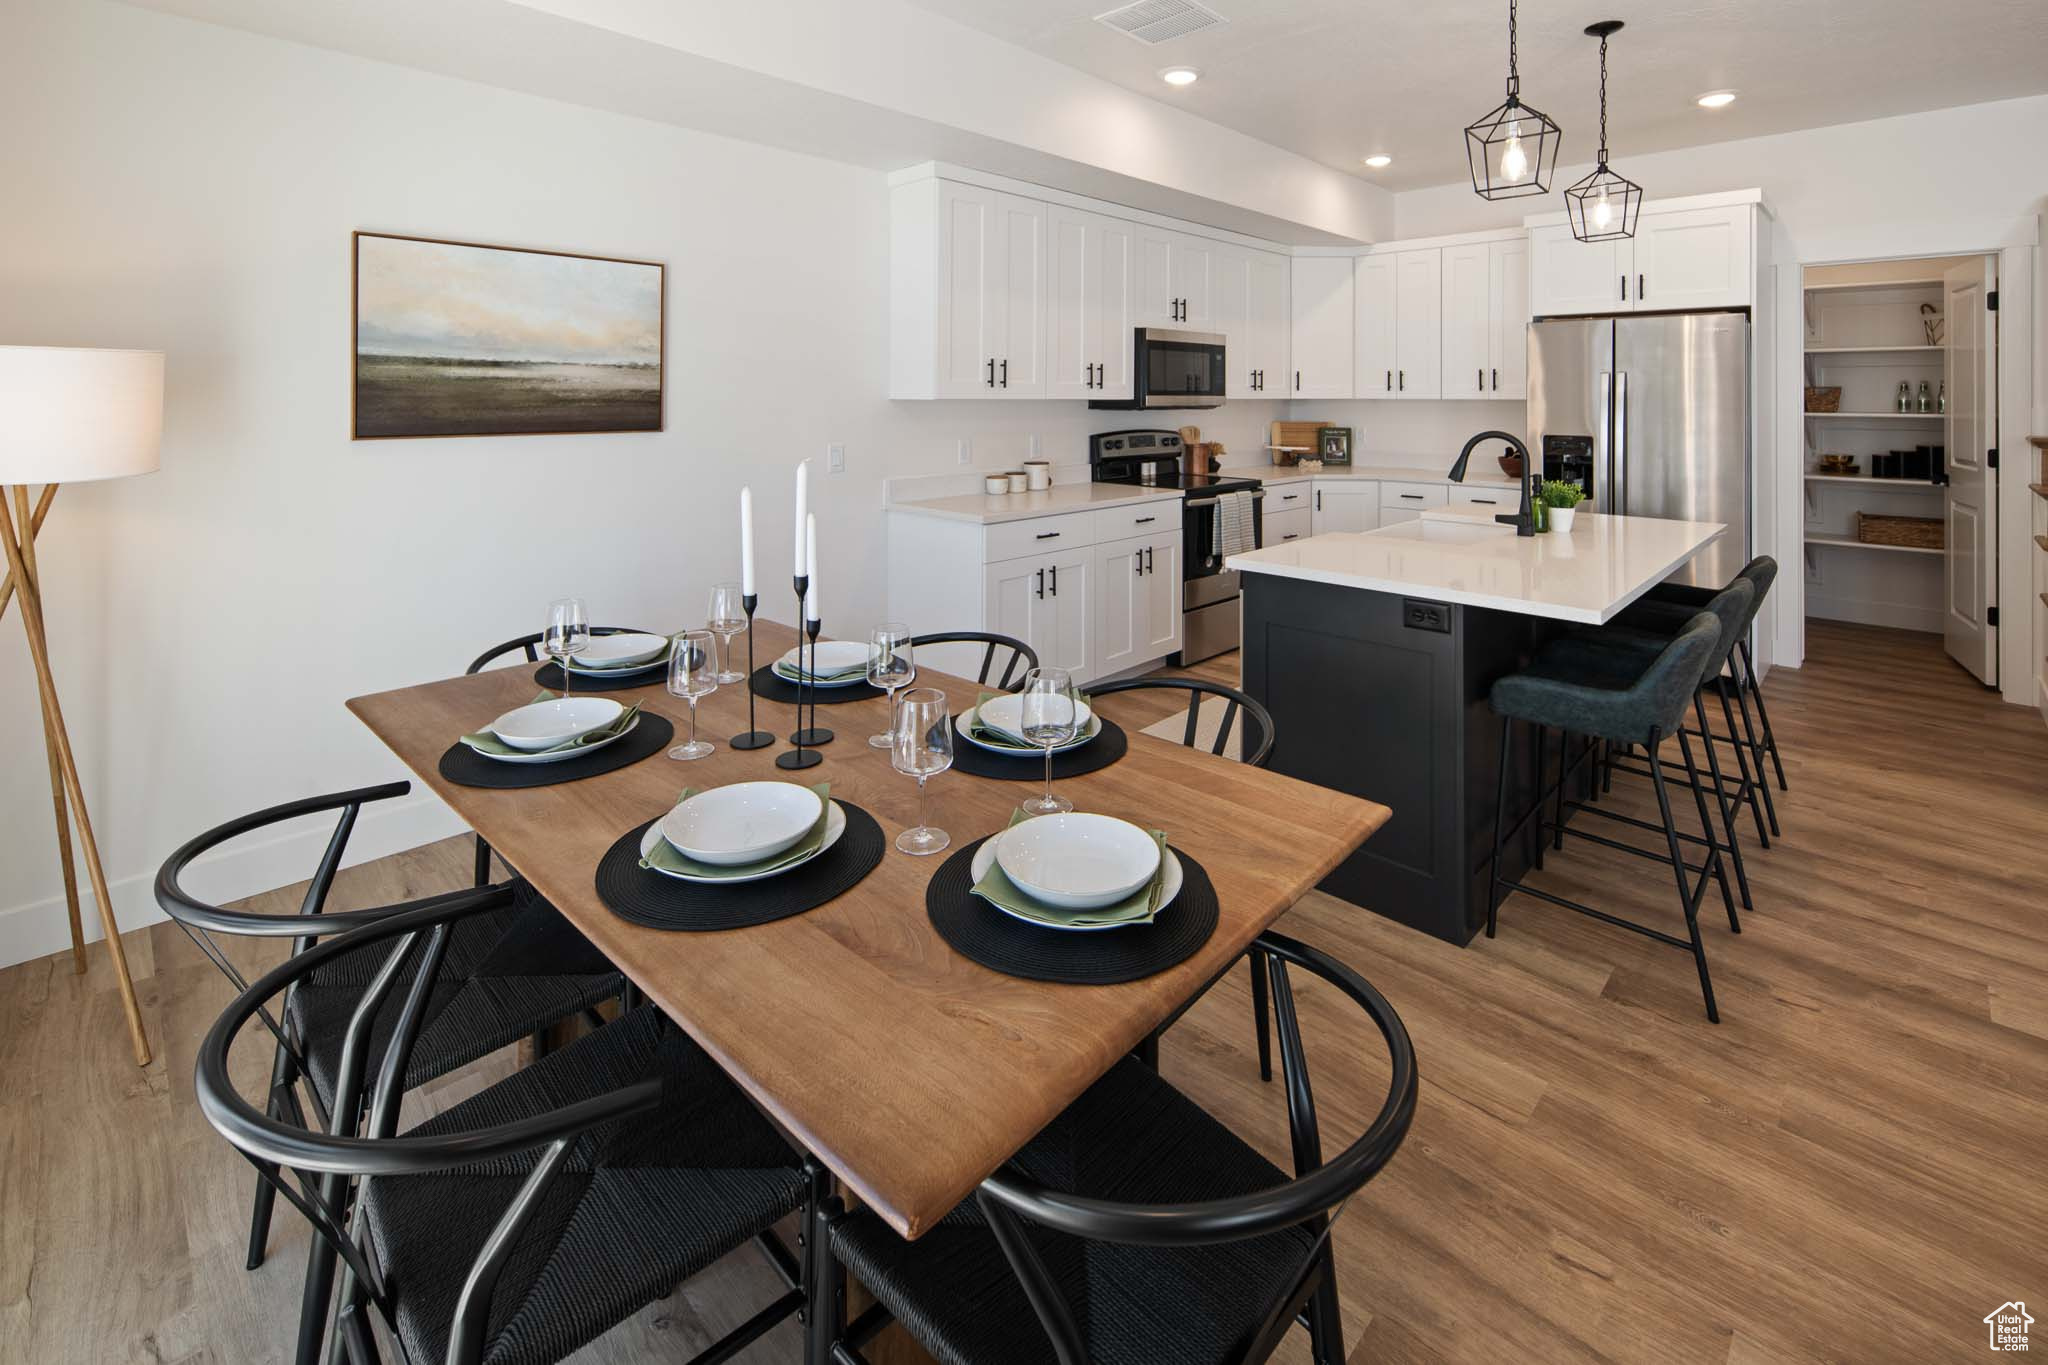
1755	689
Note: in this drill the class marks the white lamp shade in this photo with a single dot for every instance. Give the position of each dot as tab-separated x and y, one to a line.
69	414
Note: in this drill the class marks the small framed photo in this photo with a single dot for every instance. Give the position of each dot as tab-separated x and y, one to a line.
1333	444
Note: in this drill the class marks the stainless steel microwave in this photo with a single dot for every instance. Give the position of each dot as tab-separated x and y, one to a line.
1173	369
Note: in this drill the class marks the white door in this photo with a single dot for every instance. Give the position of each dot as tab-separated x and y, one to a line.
1507	290
1230	316
1160	620
1062	621
1115	349
1376	325
1120	601
1322	326
1418	340
1020	361
1193	259
970	296
1970	369
1156	304
1694	258
1569	276
1010	589
1072	332
1267	307
1467	319
1346	505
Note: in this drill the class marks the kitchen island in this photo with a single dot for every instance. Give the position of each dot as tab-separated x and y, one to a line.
1375	651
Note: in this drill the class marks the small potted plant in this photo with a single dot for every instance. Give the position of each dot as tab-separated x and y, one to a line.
1561	501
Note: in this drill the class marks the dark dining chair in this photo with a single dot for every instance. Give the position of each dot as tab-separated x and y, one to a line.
532	1217
1135	1228
513	967
1019	659
1256	747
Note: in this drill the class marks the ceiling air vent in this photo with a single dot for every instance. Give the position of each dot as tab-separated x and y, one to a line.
1158	21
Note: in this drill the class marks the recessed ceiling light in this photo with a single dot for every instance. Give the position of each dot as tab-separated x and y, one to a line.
1378	161
1716	99
1180	75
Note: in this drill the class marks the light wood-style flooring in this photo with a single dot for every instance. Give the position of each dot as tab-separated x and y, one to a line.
1853	1166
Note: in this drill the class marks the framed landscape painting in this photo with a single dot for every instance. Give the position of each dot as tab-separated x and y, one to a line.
459	339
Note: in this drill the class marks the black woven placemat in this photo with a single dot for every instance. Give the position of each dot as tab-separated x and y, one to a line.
1103	957
642	896
769	687
550	675
466	767
1099	752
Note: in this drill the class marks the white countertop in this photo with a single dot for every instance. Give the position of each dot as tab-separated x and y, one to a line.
1280	473
1586	576
990	508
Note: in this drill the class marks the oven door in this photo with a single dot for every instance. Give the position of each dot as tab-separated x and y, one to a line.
1179	369
1200	556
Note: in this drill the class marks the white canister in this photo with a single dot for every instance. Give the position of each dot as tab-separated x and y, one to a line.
996	483
1039	474
1019	481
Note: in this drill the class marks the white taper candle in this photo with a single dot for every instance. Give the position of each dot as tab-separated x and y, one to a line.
747	542
803	511
811	558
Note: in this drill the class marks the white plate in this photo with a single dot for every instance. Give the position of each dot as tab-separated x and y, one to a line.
1011	709
566	753
544	724
741	823
985	857
790	676
835	825
829	656
629	650
1077	860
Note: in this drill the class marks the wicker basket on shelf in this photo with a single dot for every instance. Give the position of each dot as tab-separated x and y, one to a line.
1827	399
1918	533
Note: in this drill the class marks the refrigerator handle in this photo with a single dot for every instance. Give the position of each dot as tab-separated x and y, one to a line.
1603	446
1621	442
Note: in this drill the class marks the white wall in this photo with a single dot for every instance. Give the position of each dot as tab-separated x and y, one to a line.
192	188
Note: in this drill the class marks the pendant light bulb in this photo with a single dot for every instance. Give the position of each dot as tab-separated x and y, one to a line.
1514	162
1603	212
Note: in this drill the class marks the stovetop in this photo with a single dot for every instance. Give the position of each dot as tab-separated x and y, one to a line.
1153	458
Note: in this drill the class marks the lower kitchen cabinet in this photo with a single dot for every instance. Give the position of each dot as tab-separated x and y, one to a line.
1044	601
1137	602
1346	505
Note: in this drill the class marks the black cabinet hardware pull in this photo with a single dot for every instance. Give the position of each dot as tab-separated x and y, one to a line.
1143	520
1137	563
1413	497
1390	381
1496	379
1289	497
1297	379
1624	289
1041	583
1006	372
991	374
1483	502
1481	372
1148	559
1403	375
1055	580
1292	535
1641	293
1047	535
1319	499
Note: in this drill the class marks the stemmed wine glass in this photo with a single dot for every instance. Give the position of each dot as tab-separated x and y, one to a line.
691	675
1051	717
890	666
567	635
728	617
923	749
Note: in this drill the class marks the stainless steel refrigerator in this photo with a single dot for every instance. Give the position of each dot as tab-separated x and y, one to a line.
1652	416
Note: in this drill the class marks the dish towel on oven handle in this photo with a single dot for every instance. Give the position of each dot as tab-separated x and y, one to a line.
1231	530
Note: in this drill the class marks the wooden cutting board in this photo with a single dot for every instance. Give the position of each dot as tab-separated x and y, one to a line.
1299	434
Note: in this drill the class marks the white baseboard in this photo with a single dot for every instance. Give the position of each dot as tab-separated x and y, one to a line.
243	868
1862	612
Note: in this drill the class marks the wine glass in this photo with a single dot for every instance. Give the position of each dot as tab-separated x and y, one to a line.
691	674
567	635
923	748
1051	717
728	617
890	666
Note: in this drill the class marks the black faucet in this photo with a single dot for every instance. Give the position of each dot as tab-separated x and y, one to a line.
1523	521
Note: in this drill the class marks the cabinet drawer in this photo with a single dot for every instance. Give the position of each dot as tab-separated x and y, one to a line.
1277	528
1039	535
1288	497
1412	495
1139	519
1505	499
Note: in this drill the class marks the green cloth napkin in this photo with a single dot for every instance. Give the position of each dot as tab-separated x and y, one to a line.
484	742
993	734
663	856
859	670
1140	907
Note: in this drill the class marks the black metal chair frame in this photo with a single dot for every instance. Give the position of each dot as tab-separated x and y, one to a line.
341	1158
1312	1200
1020	654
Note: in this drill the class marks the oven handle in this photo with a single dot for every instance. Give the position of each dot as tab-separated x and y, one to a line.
1257	495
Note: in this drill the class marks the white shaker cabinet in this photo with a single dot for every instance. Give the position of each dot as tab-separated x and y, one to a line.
1374	326
1485	319
1250	307
1173	278
1043	600
1088	305
1345	505
1322	325
1137	602
1682	258
1398	325
968	312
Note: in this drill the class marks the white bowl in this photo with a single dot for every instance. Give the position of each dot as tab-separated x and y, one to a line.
545	724
617	651
742	823
831	656
1006	713
1077	861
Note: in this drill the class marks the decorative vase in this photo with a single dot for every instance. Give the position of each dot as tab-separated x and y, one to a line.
1561	518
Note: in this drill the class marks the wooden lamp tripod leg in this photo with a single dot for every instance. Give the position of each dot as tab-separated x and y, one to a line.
28	590
64	860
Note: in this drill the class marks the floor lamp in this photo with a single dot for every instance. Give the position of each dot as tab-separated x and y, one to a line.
68	416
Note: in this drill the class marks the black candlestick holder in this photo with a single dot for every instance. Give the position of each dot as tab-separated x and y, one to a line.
754	738
815	734
801	756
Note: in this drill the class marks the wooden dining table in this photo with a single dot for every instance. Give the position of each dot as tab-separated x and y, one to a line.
909	1070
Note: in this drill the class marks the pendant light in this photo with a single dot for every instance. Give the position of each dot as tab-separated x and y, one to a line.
1603	206
1513	150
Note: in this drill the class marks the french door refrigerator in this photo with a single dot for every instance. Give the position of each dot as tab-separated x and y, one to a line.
1651	415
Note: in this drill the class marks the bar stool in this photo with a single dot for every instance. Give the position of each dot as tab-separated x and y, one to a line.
1604	699
1622	650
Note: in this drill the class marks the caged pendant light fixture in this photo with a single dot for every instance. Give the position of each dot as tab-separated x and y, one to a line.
1513	150
1603	206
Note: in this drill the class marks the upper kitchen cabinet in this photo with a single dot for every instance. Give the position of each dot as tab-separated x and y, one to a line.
1687	255
1087	305
1485	319
1173	274
1398	324
1374	325
968	295
1322	325
1250	306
